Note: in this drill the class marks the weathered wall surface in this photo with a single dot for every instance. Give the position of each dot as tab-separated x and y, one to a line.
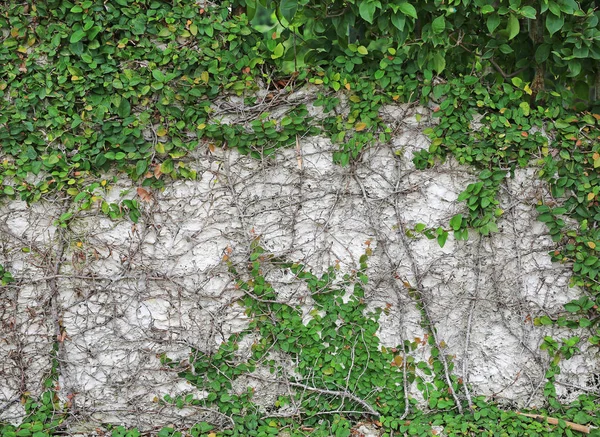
118	294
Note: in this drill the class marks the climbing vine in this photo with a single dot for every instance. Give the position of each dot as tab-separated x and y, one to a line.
90	87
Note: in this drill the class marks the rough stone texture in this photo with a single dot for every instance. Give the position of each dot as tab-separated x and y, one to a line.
119	294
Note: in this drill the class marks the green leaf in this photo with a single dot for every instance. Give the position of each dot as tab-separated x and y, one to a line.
367	10
554	23
288	9
439	24
572	308
439	62
493	22
513	26
542	53
408	9
141	167
124	109
441	239
398	21
487	9
528	12
456	222
362	50
554	8
158	75
278	51
77	36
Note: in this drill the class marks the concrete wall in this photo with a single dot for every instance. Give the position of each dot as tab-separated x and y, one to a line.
118	294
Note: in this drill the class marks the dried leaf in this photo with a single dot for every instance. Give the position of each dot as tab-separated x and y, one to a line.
144	195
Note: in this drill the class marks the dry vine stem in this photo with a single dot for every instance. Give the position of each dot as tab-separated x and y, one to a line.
419	296
574	426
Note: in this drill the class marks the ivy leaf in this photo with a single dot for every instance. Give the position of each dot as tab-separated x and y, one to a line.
288	8
439	62
158	75
77	36
441	239
124	109
456	222
513	26
360	126
278	51
554	23
141	167
408	9
528	12
542	53
367	10
439	24
493	22
398	21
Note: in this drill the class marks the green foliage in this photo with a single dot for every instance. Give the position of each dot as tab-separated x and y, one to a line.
94	86
5	276
453	37
335	350
44	415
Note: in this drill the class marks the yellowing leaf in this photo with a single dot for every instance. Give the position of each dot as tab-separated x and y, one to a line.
347	86
590	196
201	126
591	245
205	76
528	90
161	132
193	29
355	99
360	126
398	360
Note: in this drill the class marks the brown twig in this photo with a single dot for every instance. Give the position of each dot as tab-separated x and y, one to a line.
574	426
